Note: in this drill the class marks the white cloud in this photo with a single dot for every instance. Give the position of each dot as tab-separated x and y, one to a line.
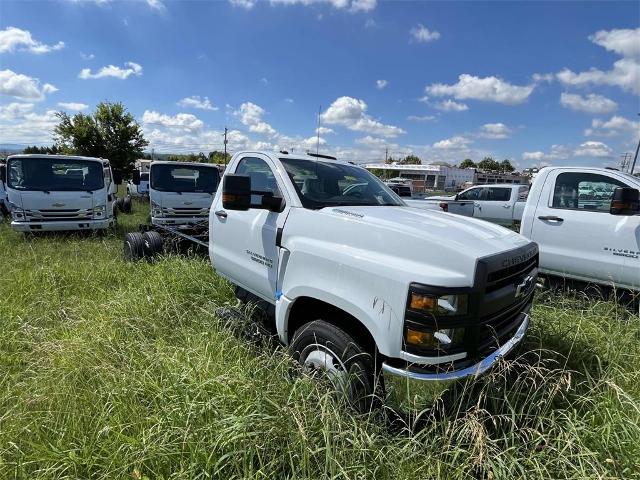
591	103
557	152
626	71
201	103
352	6
422	34
12	111
616	125
87	56
370	23
351	113
593	149
131	68
451	106
288	100
23	87
12	39
264	80
19	124
380	84
543	77
246	4
157	5
324	130
487	89
251	116
624	42
454	143
78	107
372	142
181	121
495	131
423	118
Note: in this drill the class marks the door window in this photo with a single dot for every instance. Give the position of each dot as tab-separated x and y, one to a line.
584	191
497	194
473	194
263	181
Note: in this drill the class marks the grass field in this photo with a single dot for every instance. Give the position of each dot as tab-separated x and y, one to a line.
118	370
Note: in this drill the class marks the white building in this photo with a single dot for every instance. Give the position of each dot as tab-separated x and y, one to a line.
427	177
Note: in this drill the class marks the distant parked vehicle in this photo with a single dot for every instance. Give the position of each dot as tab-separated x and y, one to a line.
450	205
4	207
141	188
588	239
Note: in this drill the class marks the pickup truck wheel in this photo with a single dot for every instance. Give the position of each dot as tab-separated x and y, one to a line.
126	204
152	244
323	348
133	246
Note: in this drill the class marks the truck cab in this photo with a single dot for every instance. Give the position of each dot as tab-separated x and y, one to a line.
353	277
60	192
575	215
181	193
497	203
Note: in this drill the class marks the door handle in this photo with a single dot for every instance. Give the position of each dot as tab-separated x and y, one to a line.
551	218
506	206
221	214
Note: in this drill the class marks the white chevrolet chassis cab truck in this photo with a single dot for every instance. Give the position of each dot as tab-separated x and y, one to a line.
356	281
586	222
60	192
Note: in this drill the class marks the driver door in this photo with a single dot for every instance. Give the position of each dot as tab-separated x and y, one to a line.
244	242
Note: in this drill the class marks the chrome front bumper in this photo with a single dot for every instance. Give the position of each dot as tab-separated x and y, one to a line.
474	370
61	226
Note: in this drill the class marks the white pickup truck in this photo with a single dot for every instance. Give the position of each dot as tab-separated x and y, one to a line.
497	203
60	192
357	282
450	205
587	224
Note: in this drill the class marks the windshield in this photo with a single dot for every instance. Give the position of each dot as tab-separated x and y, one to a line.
144	177
45	174
324	184
179	178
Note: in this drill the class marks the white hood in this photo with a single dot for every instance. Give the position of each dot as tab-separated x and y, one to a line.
54	200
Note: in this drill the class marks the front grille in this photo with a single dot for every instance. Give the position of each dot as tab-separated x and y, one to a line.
185	212
61	215
505	276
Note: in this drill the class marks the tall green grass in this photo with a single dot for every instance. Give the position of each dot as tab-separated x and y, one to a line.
119	370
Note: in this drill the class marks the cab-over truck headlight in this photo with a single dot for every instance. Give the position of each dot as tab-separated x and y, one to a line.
430	320
98	211
156	211
17	213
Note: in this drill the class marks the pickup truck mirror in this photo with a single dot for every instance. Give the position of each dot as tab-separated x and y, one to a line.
236	192
456	197
272	203
625	201
136	177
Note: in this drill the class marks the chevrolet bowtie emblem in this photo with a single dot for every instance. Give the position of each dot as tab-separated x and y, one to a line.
524	287
188	203
58	205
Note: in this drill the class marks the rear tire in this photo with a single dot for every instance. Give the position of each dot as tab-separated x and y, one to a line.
133	246
152	244
126	204
324	348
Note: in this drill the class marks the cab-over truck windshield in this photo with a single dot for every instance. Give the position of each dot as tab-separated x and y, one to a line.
54	174
328	184
184	178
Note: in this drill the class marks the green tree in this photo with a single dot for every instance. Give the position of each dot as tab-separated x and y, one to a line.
109	132
468	163
43	150
411	160
506	167
219	157
488	164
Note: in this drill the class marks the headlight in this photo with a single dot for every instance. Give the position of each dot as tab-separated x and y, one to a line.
99	208
17	213
156	211
439	305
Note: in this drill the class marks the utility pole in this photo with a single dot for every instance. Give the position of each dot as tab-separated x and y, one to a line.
152	154
225	146
635	158
386	154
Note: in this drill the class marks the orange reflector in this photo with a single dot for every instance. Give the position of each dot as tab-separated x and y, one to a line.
423	302
414	337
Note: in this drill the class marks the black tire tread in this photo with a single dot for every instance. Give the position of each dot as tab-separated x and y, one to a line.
133	246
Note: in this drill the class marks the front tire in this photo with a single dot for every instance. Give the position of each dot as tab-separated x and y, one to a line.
133	246
321	347
152	244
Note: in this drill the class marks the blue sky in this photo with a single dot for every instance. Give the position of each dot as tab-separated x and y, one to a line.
539	83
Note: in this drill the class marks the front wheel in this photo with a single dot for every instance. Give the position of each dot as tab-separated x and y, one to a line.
323	348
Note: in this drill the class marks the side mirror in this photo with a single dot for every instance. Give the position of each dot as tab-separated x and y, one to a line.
625	201
271	203
117	178
456	197
236	192
3	173
135	178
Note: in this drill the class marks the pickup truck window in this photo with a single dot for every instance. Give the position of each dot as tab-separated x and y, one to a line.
324	184
584	191
472	194
172	178
497	194
45	174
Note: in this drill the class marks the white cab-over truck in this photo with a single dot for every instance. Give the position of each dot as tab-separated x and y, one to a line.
4	207
181	193
358	281
60	192
586	222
